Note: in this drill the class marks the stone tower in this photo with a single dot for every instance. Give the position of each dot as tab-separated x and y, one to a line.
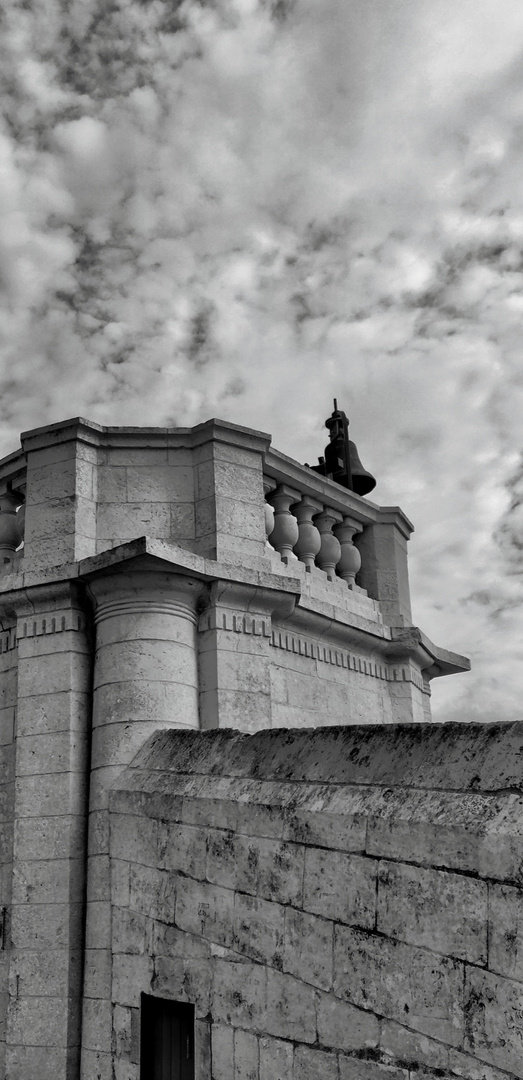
158	578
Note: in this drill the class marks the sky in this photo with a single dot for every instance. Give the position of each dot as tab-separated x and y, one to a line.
243	208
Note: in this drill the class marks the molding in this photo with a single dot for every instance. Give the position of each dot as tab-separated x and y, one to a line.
329	654
8	640
141	605
51	623
236	622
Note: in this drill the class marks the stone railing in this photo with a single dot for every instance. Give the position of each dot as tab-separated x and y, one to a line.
320	523
314	520
12	511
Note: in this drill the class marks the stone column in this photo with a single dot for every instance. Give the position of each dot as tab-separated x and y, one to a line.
50	805
145	678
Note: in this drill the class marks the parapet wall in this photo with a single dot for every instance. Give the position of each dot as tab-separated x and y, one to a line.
343	903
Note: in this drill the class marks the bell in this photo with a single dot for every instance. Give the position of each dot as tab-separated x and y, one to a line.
362	481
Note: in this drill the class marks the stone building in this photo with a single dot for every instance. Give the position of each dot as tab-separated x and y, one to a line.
233	845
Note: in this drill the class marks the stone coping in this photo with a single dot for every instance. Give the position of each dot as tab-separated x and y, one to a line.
473	758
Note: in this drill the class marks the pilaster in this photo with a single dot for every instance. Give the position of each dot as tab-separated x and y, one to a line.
384	565
50	803
60	513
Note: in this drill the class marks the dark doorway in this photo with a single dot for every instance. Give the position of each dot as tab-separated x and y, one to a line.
166	1039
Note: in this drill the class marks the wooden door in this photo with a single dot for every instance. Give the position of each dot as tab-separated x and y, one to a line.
167	1039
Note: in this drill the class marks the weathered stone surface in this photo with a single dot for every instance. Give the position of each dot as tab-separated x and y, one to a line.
339	886
493	1020
505	953
444	912
310	1064
308	948
401	982
275	1059
343	1026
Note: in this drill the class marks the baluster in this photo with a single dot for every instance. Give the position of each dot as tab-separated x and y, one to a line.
11	528
285	533
330	550
350	561
269	523
309	540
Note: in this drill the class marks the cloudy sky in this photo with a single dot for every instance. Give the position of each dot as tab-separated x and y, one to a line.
241	208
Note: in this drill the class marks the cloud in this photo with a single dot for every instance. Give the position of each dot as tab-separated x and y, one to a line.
245	207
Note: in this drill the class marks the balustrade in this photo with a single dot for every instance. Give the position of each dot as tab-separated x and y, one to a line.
12	522
303	528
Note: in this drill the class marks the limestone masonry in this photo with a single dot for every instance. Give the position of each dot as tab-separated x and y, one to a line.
225	811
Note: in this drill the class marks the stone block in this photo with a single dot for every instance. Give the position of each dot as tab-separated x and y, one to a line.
39	1021
40	1063
125	1070
258	929
164	484
42	973
170	941
469	1068
98	924
505	954
275	1059
183	526
148	660
246	1056
182	847
50	674
131	932
400	982
62	711
223	813
493	1029
7	723
240	519
310	1064
49	837
340	886
291	1008
54	752
111	484
97	973
47	796
119	727
239	995
97	1064
132	519
206	910
308	948
280	871
439	910
152	892
150	456
343	1027
202	1050
135	838
98	832
132	976
402	1044
96	1027
341	832
58	881
186	978
222	1051
359	1069
98	881
232	860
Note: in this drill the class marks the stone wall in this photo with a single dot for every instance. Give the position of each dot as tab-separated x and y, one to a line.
340	903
